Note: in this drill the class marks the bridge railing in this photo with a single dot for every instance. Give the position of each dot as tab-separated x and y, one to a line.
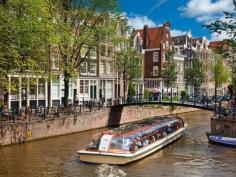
221	105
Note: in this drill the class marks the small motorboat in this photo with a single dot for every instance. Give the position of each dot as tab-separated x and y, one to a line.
134	141
222	140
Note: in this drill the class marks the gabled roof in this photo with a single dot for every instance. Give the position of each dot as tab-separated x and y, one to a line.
194	41
154	36
216	44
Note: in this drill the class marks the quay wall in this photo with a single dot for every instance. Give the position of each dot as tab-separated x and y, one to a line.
20	132
223	126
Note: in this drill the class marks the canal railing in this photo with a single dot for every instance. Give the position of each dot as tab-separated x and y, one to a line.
220	106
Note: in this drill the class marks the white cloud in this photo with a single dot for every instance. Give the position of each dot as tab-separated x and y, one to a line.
137	21
220	37
206	10
176	32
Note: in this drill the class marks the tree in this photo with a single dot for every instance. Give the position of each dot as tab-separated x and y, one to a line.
220	73
194	73
79	26
128	63
169	74
25	37
228	26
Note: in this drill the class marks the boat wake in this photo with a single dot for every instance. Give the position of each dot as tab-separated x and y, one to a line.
109	171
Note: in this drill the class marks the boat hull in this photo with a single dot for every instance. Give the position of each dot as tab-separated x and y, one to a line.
222	140
121	159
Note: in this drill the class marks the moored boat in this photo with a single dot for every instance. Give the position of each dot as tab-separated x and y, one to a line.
222	140
134	141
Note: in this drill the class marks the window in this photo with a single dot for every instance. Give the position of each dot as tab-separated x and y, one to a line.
108	68
55	88
155	70
155	56
163	45
102	67
81	86
93	68
41	89
93	54
167	44
84	51
55	61
83	68
15	89
33	88
167	35
84	86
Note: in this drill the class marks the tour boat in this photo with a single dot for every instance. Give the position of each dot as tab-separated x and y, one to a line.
222	140
134	141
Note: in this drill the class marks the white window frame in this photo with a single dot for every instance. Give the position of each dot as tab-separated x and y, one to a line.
109	68
93	71
102	68
155	56
155	71
93	53
86	68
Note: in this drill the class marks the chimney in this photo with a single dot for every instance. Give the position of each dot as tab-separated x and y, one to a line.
145	36
167	24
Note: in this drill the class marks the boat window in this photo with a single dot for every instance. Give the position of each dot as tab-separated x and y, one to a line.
120	143
94	144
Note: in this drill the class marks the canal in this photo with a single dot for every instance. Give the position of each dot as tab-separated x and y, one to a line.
191	156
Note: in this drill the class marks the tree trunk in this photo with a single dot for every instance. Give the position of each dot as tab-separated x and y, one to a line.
66	89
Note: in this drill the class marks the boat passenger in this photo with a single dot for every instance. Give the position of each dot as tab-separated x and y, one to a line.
94	144
139	144
164	134
169	130
145	142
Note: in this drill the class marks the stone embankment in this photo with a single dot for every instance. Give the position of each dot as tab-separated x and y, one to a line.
19	132
223	126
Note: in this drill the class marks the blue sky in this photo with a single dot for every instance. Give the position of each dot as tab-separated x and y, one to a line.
184	15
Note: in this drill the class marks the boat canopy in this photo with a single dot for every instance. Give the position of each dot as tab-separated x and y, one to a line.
150	130
124	141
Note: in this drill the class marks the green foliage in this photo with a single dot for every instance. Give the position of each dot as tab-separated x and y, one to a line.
194	73
183	94
229	27
131	90
128	61
79	27
146	94
221	74
25	31
169	74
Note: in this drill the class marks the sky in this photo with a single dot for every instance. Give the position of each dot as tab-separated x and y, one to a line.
184	15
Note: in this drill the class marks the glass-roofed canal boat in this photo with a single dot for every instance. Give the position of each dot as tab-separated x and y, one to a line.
133	141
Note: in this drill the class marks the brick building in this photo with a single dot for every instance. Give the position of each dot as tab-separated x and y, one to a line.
155	43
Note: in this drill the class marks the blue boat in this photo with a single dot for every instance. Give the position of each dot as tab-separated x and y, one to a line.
222	140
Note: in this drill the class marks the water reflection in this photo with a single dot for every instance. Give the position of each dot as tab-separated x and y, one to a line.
190	156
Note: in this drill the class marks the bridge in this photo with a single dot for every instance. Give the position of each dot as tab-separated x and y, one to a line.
218	105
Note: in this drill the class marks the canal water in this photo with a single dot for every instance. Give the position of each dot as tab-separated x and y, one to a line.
190	156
